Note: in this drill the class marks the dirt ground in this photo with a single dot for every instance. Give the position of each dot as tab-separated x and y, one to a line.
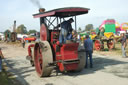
108	69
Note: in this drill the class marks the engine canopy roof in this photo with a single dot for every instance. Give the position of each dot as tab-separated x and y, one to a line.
63	12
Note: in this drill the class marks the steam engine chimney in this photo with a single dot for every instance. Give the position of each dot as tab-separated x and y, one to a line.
14	26
42	19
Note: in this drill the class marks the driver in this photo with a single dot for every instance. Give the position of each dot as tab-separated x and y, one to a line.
66	29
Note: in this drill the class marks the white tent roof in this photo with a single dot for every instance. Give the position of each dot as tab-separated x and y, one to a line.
122	32
1	34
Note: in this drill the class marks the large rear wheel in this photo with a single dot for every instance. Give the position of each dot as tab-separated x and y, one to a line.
43	57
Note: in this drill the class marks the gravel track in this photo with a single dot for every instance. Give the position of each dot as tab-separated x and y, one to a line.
107	70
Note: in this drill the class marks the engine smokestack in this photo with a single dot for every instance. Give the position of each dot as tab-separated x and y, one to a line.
14	26
42	19
41	10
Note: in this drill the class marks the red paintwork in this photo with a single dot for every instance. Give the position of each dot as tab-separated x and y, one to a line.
63	12
39	61
73	10
29	49
30	39
93	33
70	67
43	33
67	52
97	45
46	14
54	34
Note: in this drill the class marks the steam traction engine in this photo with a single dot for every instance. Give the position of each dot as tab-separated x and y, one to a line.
48	54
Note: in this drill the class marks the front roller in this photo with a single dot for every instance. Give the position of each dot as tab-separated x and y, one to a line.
43	57
81	56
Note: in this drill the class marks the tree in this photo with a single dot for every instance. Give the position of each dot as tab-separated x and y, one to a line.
31	31
7	33
79	29
88	27
21	29
93	30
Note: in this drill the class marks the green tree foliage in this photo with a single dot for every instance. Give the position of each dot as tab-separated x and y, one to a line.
21	29
89	27
31	31
7	34
7	31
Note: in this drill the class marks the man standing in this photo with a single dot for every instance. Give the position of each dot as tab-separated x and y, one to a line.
123	45
88	45
66	29
1	57
23	42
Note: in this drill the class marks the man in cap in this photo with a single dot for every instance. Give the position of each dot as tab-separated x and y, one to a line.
66	29
88	45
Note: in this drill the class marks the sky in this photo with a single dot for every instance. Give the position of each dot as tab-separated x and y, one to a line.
22	11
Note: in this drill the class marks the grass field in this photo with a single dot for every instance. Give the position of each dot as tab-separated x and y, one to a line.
114	52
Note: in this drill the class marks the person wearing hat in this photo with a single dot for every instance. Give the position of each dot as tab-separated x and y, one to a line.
123	45
66	29
23	42
88	45
1	57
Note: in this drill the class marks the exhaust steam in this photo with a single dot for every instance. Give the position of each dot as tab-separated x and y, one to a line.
36	3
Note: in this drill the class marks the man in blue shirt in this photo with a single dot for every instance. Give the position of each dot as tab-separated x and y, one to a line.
66	29
88	45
